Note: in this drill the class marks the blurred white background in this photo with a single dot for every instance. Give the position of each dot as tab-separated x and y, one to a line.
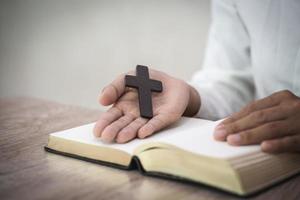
68	50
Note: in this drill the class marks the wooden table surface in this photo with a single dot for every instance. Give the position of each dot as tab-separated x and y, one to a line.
28	172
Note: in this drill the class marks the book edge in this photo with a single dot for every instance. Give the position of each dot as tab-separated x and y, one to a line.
101	162
136	164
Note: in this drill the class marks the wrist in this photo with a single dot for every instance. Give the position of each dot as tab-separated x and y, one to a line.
193	104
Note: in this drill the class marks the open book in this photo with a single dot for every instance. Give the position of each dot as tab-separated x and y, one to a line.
185	151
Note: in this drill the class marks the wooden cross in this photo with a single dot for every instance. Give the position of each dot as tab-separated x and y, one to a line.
145	86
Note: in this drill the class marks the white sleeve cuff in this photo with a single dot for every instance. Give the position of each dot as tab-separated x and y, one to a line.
208	109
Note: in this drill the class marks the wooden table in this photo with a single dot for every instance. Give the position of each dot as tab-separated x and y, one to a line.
28	172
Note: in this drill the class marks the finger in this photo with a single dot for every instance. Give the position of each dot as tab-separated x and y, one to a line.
260	104
105	119
157	123
131	130
111	131
286	144
252	120
276	129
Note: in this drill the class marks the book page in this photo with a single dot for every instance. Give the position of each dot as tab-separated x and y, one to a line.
194	135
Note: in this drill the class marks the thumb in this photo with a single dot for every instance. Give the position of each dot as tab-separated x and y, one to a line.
111	93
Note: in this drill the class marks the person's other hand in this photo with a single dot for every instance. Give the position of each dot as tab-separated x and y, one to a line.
122	122
273	122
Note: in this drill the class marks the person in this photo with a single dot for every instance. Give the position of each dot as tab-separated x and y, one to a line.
251	77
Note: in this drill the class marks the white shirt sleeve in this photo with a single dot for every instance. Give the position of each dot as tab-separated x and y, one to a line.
225	83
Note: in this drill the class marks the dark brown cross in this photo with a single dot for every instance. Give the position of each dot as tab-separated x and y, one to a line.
145	86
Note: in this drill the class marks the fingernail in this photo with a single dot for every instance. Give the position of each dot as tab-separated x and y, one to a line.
266	146
144	132
96	132
103	90
235	139
220	131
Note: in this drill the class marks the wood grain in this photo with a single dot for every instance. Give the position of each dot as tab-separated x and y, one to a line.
28	172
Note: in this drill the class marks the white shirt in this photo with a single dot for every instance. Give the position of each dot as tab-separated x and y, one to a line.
253	51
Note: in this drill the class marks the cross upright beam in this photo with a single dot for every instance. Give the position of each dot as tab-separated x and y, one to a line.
145	86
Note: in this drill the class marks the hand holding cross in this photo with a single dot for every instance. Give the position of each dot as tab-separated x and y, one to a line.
145	86
124	121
